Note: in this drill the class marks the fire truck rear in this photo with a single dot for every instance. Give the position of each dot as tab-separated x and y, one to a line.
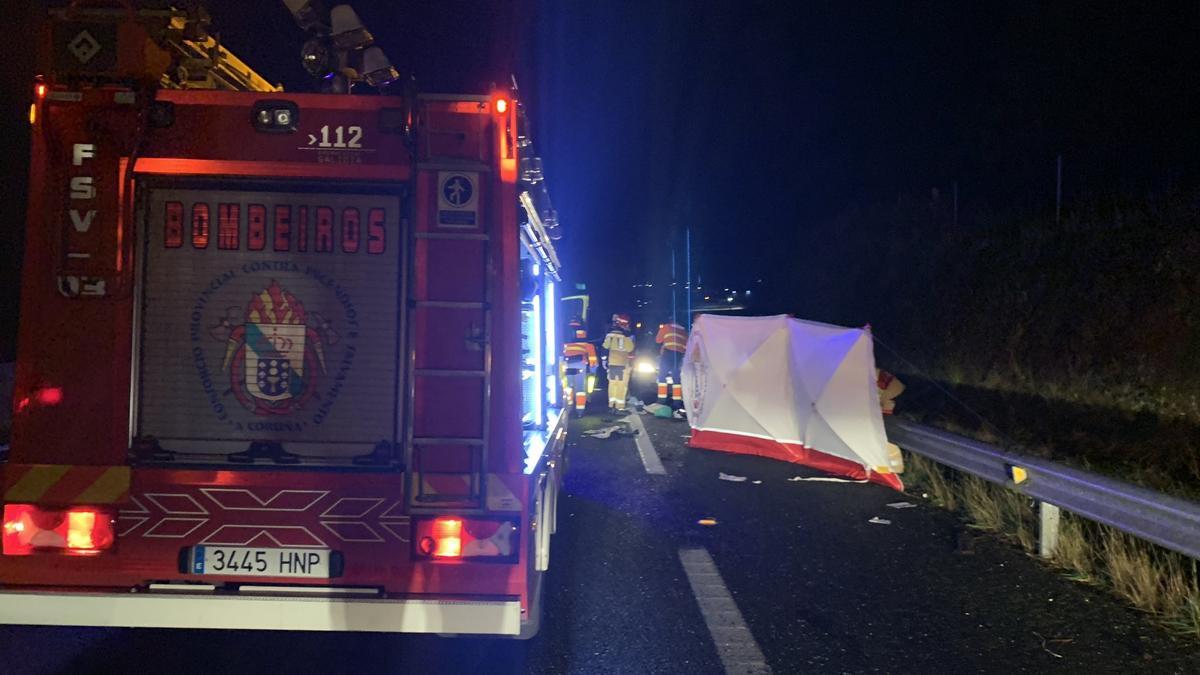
282	357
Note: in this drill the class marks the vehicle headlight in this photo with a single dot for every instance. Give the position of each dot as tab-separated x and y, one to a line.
646	366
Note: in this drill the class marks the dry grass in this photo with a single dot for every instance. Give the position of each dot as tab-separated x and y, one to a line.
996	509
1154	580
1131	571
931	476
981	505
1162	583
1075	551
1188	621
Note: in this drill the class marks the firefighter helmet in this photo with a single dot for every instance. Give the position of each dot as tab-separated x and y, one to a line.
621	322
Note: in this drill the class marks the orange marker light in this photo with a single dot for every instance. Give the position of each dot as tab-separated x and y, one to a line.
501	105
80	525
40	90
447	534
33	113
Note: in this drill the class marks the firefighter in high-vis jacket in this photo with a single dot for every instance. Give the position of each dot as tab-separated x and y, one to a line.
619	343
673	339
579	366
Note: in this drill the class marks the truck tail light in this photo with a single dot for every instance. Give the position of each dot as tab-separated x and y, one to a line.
81	530
447	538
458	538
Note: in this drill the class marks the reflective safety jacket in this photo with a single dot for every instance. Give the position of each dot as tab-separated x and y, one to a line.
620	348
672	337
889	387
576	349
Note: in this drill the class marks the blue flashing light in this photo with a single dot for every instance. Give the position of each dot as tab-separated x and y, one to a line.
539	368
552	348
551	323
535	445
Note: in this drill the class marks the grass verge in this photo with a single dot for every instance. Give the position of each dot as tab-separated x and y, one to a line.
1162	583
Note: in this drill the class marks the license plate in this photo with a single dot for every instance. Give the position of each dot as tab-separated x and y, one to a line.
312	563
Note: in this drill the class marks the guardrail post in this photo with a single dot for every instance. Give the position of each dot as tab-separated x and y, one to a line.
1048	529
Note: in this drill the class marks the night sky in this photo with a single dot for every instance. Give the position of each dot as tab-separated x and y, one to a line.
752	123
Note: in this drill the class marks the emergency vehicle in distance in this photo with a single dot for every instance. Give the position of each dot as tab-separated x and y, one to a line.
285	361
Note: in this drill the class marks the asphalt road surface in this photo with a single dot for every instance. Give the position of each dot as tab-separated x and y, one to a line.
791	578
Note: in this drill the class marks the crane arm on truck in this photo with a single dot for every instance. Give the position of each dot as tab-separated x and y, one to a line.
166	48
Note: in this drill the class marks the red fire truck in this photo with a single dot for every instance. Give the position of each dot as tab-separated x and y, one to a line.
285	360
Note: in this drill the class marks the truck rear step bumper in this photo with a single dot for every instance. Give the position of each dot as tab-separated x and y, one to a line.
242	612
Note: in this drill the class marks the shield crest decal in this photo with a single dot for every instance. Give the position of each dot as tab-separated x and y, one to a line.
274	355
274	360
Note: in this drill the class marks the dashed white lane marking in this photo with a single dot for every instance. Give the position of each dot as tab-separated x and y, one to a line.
735	645
645	448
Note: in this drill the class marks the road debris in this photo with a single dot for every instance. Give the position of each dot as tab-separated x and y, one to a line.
1047	649
732	479
757	482
902	505
621	429
658	410
680	414
879	521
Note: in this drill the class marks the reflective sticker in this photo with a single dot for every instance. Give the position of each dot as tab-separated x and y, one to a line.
36	481
65	484
500	495
83	46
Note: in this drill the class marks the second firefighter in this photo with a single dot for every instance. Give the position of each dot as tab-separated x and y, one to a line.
619	343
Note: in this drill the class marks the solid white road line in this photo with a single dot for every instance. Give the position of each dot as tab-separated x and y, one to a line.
645	448
735	645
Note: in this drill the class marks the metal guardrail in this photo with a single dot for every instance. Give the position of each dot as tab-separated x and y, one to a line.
1170	522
